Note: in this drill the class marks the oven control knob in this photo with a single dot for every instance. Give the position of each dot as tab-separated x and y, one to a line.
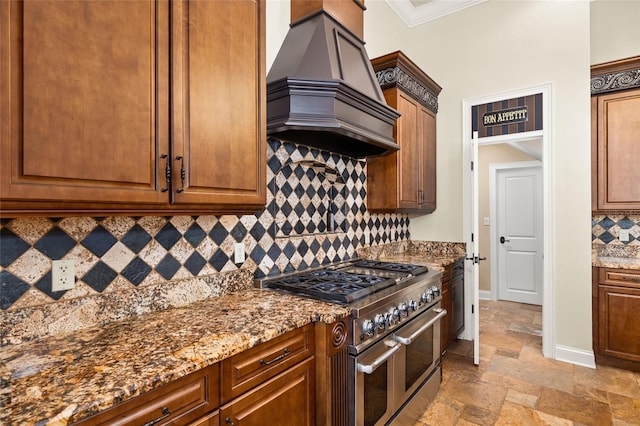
436	291
427	296
368	327
404	309
380	321
393	316
413	305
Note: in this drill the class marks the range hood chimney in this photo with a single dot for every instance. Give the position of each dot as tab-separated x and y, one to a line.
322	90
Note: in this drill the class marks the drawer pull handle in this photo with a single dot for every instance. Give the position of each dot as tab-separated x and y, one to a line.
165	413
628	278
229	421
278	358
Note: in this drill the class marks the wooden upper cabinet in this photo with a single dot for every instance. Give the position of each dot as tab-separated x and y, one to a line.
84	104
219	102
405	181
86	120
615	137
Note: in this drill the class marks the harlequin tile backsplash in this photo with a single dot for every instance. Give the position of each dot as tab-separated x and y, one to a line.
605	229
115	254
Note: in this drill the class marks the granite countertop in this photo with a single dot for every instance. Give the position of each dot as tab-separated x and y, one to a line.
616	256
65	378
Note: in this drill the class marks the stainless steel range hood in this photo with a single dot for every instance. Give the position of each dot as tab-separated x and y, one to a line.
323	92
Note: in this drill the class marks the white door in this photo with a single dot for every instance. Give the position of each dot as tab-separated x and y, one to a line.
475	247
519	233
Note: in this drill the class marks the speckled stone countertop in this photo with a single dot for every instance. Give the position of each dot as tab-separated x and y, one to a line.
616	256
65	378
432	254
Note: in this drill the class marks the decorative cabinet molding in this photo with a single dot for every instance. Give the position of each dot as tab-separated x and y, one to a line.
614	76
390	77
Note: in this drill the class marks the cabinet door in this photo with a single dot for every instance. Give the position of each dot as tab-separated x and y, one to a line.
618	150
619	323
457	300
287	399
218	85
409	173
84	106
427	141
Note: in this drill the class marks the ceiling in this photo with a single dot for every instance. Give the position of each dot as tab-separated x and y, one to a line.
416	12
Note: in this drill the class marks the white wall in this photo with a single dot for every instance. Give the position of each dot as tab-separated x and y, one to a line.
615	30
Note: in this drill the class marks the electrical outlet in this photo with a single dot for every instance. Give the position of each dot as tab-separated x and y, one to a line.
367	238
63	275
238	253
624	235
486	221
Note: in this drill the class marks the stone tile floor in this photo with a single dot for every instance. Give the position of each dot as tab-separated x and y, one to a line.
515	385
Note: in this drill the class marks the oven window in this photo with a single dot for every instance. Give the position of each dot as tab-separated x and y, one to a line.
419	357
375	395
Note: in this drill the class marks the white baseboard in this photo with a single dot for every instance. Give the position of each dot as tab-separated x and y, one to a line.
484	294
575	356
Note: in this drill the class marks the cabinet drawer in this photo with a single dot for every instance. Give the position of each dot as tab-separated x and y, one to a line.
620	277
252	367
178	402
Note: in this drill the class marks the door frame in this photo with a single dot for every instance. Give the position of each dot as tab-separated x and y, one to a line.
493	209
471	288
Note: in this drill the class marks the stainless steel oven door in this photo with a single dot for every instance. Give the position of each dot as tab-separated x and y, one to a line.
419	355
373	376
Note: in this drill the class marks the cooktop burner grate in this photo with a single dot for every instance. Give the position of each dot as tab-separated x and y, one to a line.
390	266
331	285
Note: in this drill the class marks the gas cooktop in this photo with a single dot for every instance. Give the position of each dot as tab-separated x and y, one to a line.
347	282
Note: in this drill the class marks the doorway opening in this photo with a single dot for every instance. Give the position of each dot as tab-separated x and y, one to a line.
472	217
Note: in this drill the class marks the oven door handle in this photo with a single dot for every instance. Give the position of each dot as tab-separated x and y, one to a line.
370	368
408	340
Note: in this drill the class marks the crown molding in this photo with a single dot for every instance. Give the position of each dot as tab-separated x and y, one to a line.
413	15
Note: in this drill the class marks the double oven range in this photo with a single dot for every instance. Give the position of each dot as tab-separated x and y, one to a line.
394	359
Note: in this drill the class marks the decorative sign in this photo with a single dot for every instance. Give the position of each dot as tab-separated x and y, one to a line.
505	116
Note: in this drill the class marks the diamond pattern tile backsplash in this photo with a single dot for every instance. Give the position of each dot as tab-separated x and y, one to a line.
605	229
120	253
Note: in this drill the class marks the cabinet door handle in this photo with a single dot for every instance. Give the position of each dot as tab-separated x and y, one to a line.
229	421
167	172
278	358
182	173
165	413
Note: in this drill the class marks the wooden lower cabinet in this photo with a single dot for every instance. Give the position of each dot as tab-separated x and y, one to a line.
453	301
212	419
181	402
616	323
287	398
273	383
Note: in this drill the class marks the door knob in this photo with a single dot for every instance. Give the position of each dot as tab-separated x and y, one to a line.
503	240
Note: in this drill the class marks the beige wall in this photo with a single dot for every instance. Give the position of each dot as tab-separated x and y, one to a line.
615	30
487	155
